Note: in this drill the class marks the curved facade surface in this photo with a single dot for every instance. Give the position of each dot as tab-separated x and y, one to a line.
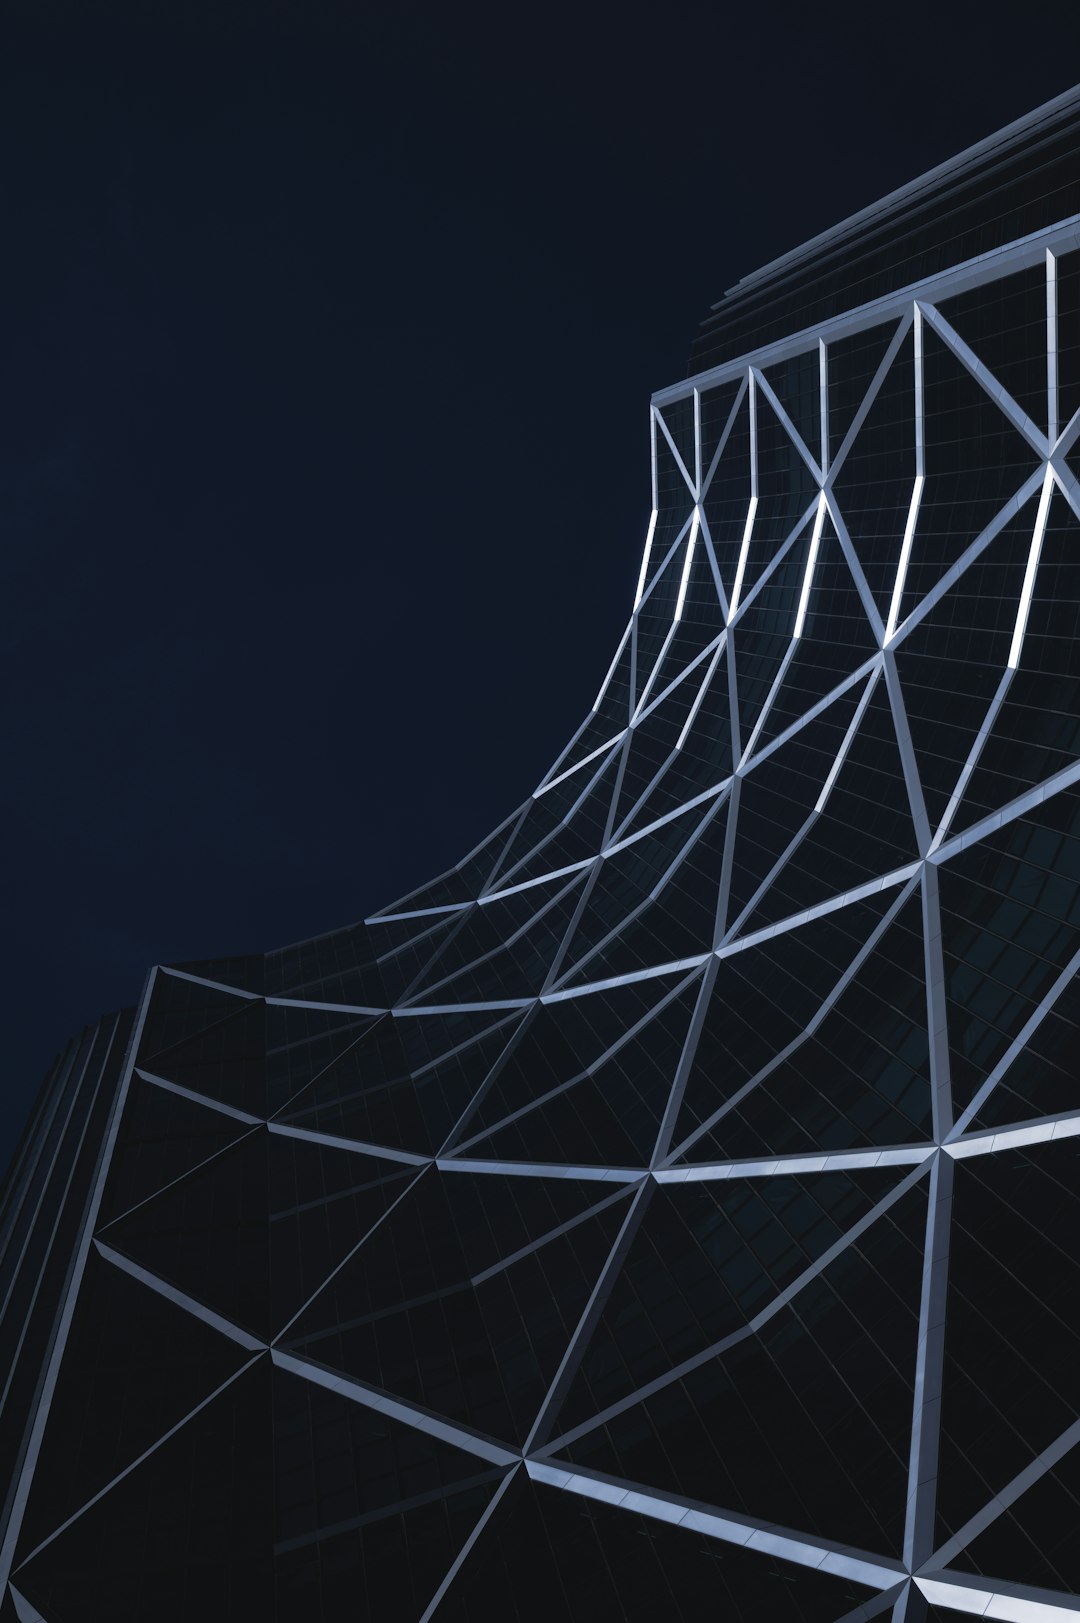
673	1210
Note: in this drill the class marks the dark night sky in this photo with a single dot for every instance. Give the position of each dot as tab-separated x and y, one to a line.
329	334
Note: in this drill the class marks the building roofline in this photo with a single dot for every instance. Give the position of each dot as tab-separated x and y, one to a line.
1046	113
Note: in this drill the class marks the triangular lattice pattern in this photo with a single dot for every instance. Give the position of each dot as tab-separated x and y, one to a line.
673	1209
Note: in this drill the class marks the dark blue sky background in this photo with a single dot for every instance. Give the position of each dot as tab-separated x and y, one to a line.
329	334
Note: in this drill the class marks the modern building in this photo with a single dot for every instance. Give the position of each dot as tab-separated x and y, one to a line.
674	1210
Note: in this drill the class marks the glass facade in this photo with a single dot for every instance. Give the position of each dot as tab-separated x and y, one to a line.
674	1209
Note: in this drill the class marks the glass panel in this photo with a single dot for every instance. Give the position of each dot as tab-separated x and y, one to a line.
154	1548
786	487
700	623
1068	302
207	1234
806	1423
440	1307
161	1137
407	1083
133	1367
674	499
727	499
370	1513
716	407
548	1554
1041	1080
703	761
520	968
321	1203
762	635
648	750
226	1062
179	1009
627	878
952	662
611	1116
778	797
407	948
1004	322
253	1232
680	923
301	1043
852	363
1011	1379
705	1259
836	639
246	973
340	967
1010	912
1034	1542
873	485
763	999
975	461
796	383
563	1040
864	830
862	1079
545	844
678	415
1037	730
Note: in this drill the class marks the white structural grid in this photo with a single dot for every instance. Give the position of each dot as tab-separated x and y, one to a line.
727	1093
